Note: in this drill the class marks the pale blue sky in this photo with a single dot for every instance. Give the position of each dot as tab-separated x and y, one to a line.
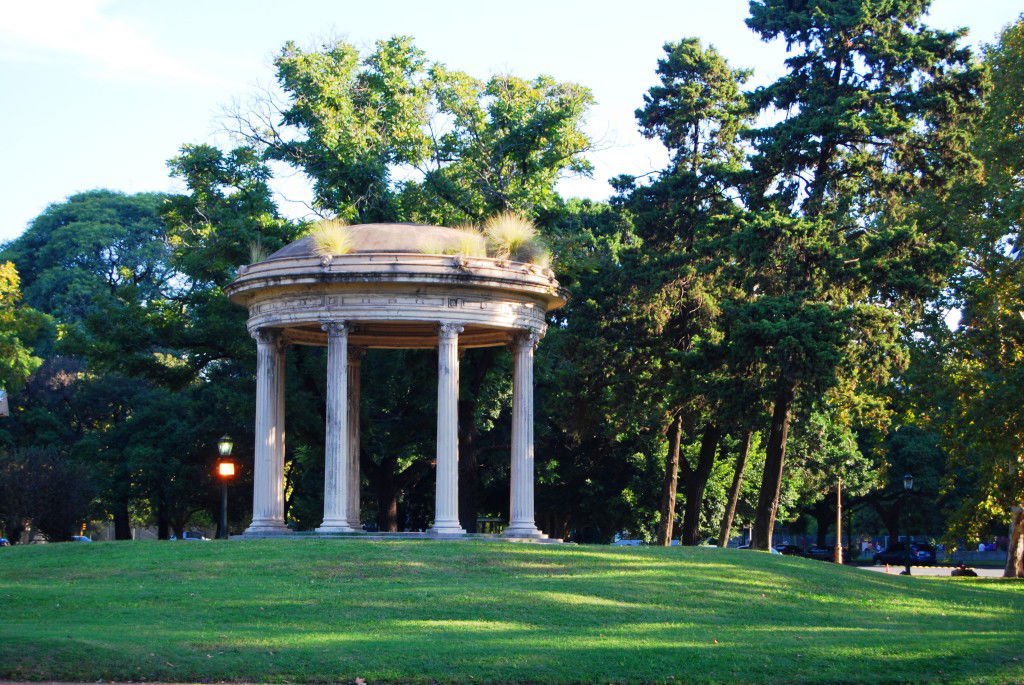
99	94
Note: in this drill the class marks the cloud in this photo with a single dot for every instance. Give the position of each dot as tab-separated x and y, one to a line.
86	33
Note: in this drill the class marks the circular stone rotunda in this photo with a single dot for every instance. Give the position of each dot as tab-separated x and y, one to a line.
398	286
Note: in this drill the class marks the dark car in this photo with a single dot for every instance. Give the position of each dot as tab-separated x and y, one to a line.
821	553
896	553
790	550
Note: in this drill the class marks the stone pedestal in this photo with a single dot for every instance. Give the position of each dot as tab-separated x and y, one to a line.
268	462
446	493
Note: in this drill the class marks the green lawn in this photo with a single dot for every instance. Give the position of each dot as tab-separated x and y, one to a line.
324	610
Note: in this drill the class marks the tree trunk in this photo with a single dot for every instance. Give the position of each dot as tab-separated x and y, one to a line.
163	522
696	483
774	462
734	490
837	552
822	513
668	491
122	522
387	497
890	519
1015	551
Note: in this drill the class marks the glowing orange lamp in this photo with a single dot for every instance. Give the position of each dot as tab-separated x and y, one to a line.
226	471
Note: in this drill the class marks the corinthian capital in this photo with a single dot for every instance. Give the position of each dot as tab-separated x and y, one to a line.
449	331
265	336
526	339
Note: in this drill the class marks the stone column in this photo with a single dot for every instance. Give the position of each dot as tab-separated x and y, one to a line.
355	364
268	466
336	445
521	523
446	493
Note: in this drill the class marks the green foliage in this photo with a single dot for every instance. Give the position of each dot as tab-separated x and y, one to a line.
38	485
392	136
228	207
84	251
967	381
20	328
869	124
697	111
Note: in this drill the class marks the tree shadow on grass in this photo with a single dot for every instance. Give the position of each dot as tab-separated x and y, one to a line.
510	613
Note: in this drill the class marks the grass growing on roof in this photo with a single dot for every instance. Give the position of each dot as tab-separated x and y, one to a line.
331	237
511	236
428	611
257	251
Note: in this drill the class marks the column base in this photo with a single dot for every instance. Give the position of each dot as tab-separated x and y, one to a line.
265	528
446	529
523	530
337	526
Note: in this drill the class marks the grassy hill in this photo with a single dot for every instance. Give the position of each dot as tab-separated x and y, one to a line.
324	610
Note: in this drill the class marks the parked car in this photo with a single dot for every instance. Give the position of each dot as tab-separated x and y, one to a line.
774	551
190	535
81	538
4	542
821	553
896	553
790	550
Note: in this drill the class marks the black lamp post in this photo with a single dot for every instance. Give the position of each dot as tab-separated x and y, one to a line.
908	485
226	471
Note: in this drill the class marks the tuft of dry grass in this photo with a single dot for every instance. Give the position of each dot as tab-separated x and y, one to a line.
331	237
512	236
507	232
257	251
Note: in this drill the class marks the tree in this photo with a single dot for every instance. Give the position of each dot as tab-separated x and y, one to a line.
873	116
41	486
725	530
834	466
88	248
20	329
394	137
977	369
697	111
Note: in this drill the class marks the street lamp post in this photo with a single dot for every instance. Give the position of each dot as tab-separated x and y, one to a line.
226	471
908	485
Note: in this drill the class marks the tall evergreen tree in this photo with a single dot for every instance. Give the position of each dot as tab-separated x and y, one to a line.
869	123
697	111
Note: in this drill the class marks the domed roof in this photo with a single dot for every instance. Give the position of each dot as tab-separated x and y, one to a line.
408	238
